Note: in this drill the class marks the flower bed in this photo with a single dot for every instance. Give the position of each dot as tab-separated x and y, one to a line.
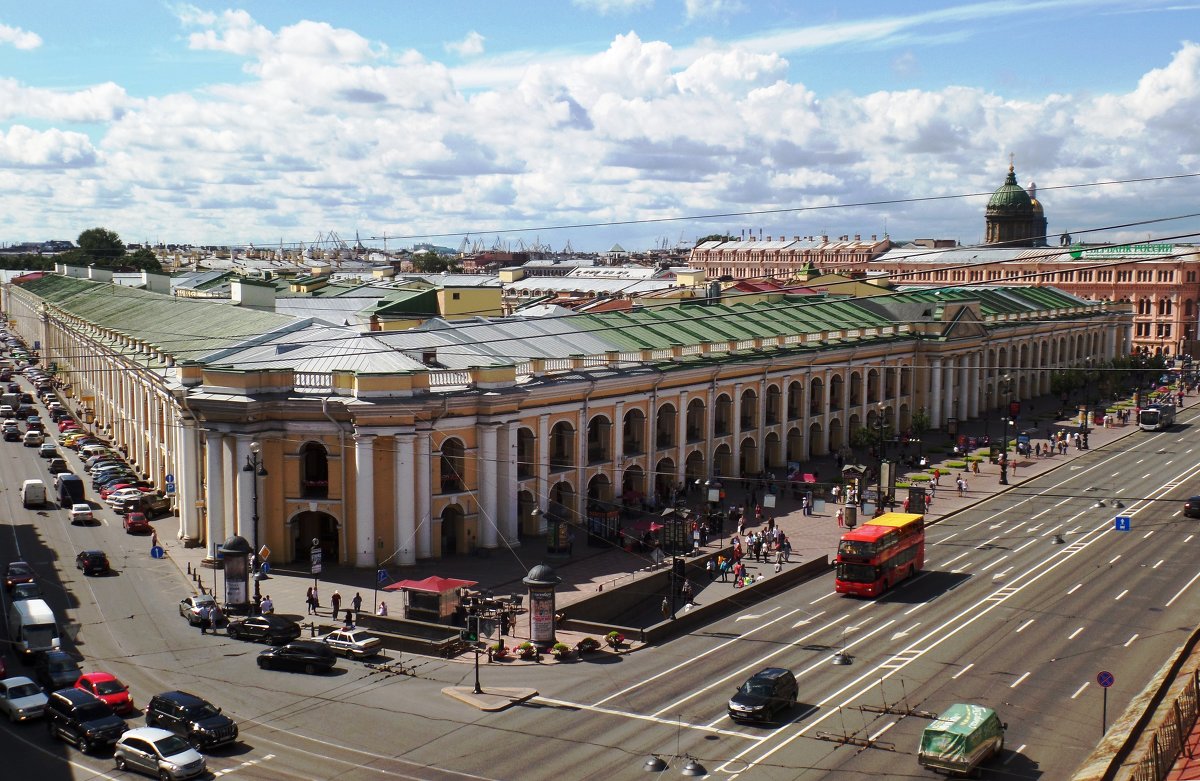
920	478
956	464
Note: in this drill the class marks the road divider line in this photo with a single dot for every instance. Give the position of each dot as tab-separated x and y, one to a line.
1123	593
1179	593
1081	689
1024	626
1075	634
1017	682
960	672
1129	642
1074	588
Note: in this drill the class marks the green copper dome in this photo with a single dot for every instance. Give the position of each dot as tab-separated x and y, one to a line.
1011	198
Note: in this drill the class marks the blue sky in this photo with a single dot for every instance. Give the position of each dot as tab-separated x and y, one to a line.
275	122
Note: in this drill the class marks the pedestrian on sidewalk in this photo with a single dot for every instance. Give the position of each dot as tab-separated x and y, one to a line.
975	467
356	603
336	602
310	602
711	569
841	518
836	494
686	592
779	561
666	608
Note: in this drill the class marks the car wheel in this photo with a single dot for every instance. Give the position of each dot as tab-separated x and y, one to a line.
85	746
309	669
120	763
164	776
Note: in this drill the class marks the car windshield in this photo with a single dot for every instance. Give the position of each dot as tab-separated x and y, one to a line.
19	569
24	690
61	665
26	591
202	711
171	746
856	573
756	688
110	687
92	711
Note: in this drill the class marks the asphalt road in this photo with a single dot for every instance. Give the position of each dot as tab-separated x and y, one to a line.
1002	616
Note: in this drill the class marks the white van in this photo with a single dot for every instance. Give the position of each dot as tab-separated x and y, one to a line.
31	626
33	493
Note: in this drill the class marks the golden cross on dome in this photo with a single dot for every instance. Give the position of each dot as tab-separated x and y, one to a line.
1010	162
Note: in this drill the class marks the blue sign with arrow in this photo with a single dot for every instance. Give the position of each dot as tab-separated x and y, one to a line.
1122	523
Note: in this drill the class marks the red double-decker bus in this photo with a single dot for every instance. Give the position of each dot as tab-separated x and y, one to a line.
880	553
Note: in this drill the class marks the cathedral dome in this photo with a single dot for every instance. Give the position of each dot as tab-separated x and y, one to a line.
1011	198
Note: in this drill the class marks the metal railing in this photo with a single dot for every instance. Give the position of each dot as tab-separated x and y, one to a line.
1169	739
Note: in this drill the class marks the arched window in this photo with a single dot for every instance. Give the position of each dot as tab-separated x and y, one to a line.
314	471
453	464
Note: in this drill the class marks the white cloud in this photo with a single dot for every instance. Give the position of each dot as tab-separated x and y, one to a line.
23	147
21	39
708	9
613	6
469	46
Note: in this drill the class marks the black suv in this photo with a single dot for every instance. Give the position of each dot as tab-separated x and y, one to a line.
264	629
198	721
767	692
84	719
301	656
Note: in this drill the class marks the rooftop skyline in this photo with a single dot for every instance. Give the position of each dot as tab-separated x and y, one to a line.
194	123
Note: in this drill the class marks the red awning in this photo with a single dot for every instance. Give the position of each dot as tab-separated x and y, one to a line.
646	525
433	584
809	477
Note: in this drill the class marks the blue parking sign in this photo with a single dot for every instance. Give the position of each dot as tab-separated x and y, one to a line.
381	575
1122	523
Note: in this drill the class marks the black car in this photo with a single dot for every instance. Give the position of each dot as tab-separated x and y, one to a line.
1191	508
302	656
92	562
25	410
56	670
197	720
12	435
83	719
766	693
264	629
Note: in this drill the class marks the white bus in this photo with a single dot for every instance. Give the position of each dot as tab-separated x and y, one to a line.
1157	418
32	627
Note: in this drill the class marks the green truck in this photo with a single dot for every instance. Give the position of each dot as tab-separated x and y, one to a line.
961	739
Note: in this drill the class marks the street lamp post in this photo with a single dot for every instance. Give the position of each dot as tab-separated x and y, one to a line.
879	462
1007	380
987	415
254	465
1087	403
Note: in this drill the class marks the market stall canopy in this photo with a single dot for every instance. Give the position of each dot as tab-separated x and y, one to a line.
647	525
433	584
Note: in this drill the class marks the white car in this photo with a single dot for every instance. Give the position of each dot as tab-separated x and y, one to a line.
119	497
353	642
159	753
21	698
7	411
33	438
189	608
81	513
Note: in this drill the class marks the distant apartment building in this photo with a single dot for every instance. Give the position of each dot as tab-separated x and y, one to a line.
782	258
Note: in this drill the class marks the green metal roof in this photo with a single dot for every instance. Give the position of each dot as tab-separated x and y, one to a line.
181	327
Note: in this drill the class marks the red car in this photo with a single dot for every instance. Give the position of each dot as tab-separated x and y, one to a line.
17	572
108	688
136	522
65	424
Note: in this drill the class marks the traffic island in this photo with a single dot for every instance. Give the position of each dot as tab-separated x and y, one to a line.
494	698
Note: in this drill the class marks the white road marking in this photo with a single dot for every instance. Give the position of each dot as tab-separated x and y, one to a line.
1114	560
1123	593
987	567
804	621
1179	593
1003	572
1020	751
1146	476
914	609
1075	634
956	558
1081	689
1129	642
749	616
1026	545
1023	626
960	672
1158	563
827	596
1188	538
882	730
241	766
681	665
1147	534
1075	588
906	632
1017	682
949	537
644	717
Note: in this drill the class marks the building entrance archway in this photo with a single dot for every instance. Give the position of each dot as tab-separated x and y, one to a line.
319	525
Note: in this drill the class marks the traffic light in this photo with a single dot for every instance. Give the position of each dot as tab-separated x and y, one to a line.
471	633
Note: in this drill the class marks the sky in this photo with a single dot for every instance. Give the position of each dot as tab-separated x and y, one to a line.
594	122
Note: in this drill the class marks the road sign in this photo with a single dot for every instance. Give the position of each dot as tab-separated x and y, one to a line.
1105	679
316	559
156	552
1122	523
169	489
381	575
264	552
265	568
169	479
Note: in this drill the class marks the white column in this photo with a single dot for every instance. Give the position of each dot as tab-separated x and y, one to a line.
228	498
186	468
487	466
214	494
973	382
406	506
423	474
964	388
948	389
510	518
935	393
364	499
245	490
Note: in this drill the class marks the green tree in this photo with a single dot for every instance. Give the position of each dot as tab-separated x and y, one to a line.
714	237
102	246
143	259
432	263
920	423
